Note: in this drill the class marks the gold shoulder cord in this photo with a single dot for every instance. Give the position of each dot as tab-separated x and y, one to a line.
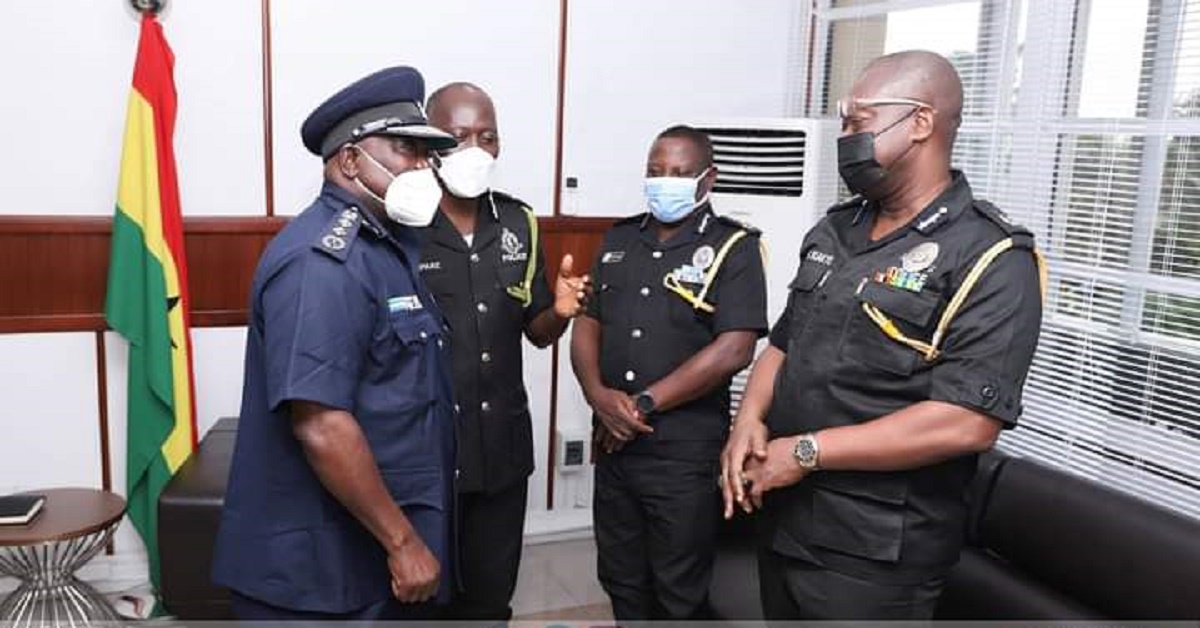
697	300
523	291
930	349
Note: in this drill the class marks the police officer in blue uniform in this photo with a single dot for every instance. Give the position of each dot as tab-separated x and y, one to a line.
341	491
484	262
680	304
908	334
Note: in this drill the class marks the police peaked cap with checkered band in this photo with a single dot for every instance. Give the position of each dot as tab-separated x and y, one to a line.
387	102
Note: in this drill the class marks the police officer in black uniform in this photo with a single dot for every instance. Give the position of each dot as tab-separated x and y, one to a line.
340	498
909	330
483	260
680	305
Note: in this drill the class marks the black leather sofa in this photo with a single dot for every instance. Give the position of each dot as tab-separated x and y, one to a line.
1042	545
189	511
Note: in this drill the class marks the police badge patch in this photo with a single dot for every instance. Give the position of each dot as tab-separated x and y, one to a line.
514	250
920	257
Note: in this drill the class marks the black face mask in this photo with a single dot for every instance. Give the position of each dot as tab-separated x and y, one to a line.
860	170
857	164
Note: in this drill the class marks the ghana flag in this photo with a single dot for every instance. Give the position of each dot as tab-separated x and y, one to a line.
147	299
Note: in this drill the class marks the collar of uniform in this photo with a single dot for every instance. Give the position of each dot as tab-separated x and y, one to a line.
444	232
697	222
487	221
407	237
946	207
337	196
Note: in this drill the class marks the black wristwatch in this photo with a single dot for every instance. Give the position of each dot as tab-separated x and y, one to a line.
645	402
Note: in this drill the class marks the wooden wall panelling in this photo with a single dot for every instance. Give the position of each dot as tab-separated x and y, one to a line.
54	270
581	237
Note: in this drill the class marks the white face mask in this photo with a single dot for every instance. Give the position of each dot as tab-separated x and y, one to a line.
467	173
412	197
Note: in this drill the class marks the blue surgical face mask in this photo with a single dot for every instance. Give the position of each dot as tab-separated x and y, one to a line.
671	199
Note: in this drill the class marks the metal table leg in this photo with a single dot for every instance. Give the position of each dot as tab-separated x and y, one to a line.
50	594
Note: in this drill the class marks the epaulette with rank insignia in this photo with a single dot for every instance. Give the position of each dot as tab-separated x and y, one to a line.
737	224
508	198
854	202
997	215
335	240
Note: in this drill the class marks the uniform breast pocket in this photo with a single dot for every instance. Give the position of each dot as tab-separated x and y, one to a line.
510	283
510	274
802	294
866	342
610	296
415	331
683	313
415	335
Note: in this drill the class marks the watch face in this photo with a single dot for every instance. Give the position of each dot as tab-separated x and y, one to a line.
805	452
645	403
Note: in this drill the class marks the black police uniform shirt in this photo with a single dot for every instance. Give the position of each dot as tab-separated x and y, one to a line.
472	284
340	317
841	369
648	331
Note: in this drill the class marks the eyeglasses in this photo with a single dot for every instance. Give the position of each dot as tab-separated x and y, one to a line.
846	107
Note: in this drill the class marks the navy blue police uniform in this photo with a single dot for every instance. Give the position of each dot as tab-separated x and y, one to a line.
656	504
491	290
856	333
339	316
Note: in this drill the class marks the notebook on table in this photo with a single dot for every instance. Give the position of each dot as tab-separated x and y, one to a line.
18	510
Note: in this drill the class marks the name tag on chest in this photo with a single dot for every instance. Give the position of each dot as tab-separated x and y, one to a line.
408	303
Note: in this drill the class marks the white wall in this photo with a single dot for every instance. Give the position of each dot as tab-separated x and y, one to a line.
636	67
509	48
68	74
633	68
50	435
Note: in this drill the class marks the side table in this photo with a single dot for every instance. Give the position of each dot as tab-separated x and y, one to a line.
75	524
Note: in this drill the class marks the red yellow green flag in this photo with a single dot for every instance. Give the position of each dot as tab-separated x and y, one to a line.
147	300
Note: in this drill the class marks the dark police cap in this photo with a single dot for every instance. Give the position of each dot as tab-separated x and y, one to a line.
387	102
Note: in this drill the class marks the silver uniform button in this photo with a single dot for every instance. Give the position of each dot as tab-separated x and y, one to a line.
485	406
637	333
657	254
486	357
482	307
630	376
423	335
475	258
645	291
